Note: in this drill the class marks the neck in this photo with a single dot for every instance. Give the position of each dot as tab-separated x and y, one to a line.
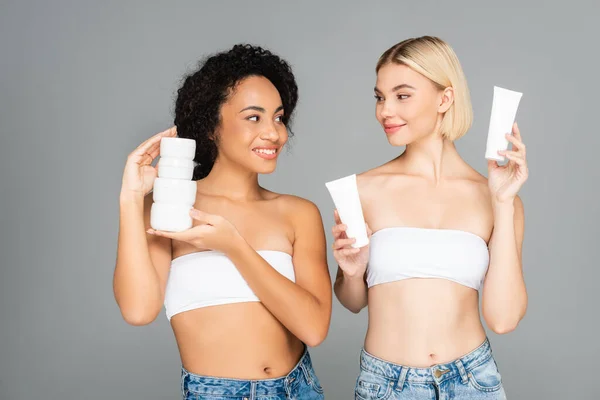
431	156
232	181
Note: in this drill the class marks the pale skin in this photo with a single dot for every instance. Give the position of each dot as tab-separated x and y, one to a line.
422	322
235	216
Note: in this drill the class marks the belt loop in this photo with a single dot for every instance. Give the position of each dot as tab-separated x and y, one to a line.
253	390
461	369
288	388
402	378
288	385
306	373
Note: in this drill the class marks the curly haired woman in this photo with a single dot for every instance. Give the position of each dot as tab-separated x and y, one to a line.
247	288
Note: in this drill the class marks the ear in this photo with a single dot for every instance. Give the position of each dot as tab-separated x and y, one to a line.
446	99
213	136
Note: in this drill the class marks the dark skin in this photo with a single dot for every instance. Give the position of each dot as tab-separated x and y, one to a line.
236	216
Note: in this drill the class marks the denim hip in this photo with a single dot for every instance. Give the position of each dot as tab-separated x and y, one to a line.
300	383
472	376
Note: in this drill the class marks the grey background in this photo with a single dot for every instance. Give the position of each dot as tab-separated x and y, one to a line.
82	83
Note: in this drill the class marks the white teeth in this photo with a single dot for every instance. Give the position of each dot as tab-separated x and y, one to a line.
265	151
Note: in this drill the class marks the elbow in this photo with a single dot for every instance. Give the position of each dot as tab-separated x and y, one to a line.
317	333
503	328
355	310
137	311
503	321
351	306
138	319
315	339
138	316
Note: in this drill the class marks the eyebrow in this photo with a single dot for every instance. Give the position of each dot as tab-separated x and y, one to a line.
396	88
260	109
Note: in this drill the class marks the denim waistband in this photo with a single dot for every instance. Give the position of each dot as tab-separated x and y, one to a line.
216	386
435	374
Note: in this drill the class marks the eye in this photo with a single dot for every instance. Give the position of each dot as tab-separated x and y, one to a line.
279	118
402	96
254	118
378	98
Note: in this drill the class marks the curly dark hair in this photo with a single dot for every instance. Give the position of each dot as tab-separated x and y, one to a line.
199	99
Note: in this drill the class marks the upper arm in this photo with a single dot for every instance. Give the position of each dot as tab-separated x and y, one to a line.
158	247
310	254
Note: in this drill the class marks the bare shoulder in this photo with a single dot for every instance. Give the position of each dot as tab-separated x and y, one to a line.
297	207
475	184
377	176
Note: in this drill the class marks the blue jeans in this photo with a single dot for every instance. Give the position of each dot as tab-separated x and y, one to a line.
301	383
474	376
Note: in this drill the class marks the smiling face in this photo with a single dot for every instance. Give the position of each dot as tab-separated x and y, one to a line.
409	106
251	132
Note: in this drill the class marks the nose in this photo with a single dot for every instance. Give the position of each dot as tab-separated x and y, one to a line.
386	110
270	133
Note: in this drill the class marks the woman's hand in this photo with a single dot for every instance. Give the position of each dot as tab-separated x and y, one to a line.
212	233
353	262
505	181
139	174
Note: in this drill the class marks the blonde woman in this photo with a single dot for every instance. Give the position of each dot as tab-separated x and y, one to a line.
443	234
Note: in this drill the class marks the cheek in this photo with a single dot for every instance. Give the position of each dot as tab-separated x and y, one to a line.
423	117
234	142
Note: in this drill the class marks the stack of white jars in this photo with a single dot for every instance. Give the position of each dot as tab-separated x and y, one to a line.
174	190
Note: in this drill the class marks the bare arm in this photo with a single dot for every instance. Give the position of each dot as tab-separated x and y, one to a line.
351	291
142	260
350	284
504	300
303	307
142	265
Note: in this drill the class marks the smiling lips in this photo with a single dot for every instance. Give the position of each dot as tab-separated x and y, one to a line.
268	153
392	128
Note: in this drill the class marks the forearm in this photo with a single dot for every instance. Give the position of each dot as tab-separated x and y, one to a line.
504	294
136	282
351	292
297	309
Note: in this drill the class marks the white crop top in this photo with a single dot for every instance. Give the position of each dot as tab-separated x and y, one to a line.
405	252
209	278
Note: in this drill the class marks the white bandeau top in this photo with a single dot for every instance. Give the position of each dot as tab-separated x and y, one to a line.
209	278
404	252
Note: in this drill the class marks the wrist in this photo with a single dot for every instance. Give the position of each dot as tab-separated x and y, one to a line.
130	197
235	245
503	208
357	276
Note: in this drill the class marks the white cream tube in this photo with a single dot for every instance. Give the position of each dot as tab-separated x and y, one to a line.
344	193
504	111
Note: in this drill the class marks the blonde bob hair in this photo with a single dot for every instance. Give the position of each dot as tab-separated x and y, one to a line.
433	58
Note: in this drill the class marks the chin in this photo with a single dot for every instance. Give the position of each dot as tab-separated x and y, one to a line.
265	169
398	141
